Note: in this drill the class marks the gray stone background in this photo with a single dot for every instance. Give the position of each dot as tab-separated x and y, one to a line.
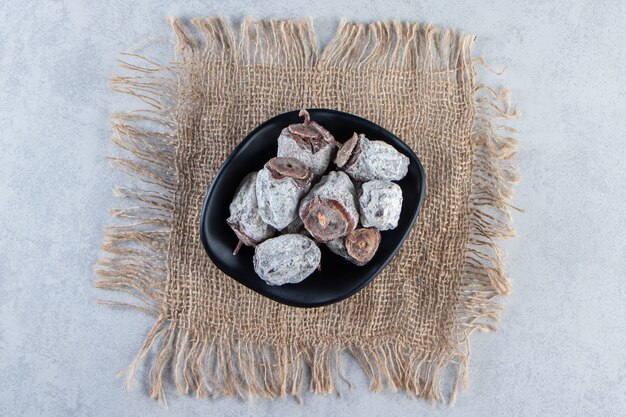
560	349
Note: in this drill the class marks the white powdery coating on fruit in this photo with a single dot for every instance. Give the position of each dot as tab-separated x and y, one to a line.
277	199
244	211
335	186
318	162
286	259
378	161
380	203
296	227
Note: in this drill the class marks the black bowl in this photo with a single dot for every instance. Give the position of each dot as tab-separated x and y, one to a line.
338	279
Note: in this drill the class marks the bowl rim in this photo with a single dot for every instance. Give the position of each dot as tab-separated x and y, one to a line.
233	154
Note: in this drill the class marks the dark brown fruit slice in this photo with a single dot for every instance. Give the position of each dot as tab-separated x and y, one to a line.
306	129
326	219
345	152
310	135
288	167
362	244
325	138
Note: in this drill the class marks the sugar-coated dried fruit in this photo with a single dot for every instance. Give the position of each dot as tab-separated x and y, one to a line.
290	197
345	151
362	244
286	259
291	168
308	142
366	160
329	210
338	247
244	215
380	204
296	227
279	187
359	246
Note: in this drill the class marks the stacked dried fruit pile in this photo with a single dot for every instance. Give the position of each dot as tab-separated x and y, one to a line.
345	209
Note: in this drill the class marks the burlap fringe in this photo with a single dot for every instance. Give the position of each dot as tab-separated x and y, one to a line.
489	205
275	43
136	260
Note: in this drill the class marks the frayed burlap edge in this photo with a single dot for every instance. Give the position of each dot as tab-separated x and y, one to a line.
136	254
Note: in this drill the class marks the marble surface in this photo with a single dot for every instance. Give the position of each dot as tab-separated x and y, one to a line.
561	345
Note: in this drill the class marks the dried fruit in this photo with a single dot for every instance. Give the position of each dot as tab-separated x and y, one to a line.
286	259
290	168
359	246
366	160
338	247
280	197
345	151
362	244
279	187
296	227
244	215
329	210
308	142
380	204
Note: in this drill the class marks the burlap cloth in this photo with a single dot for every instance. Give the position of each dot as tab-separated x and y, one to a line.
214	336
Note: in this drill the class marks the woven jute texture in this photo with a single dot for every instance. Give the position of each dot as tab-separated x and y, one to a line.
213	336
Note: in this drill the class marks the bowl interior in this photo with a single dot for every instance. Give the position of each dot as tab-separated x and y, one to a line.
338	278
